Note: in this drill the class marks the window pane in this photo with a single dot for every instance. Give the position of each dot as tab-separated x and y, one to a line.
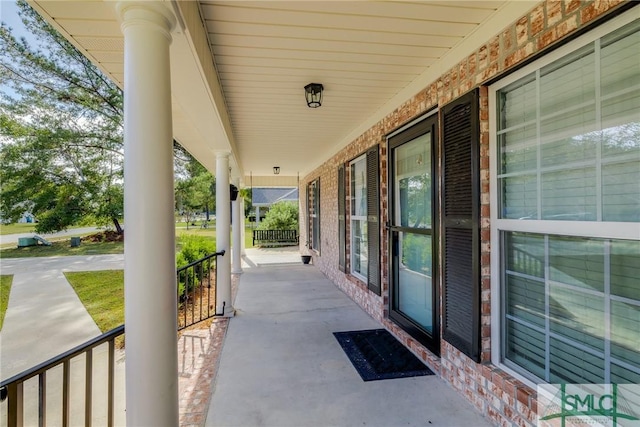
625	269
359	187
519	150
621	192
620	375
577	316
525	347
619	59
359	247
415	289
413	183
579	146
621	113
525	300
567	83
572	365
578	262
525	253
517	103
625	339
520	197
569	195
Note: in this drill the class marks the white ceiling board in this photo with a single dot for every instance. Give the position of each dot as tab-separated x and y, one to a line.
312	33
307	64
410	11
255	12
106	28
322	45
272	54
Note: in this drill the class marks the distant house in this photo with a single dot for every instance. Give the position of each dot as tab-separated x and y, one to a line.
263	197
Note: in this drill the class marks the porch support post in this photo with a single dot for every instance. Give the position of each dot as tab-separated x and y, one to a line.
257	214
237	226
223	231
242	229
149	248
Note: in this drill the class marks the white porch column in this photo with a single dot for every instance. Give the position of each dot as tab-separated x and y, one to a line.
236	230
149	248
223	231
242	229
257	214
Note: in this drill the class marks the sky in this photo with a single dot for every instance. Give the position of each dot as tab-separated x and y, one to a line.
9	16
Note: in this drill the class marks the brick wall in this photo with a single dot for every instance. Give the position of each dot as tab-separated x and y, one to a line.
503	399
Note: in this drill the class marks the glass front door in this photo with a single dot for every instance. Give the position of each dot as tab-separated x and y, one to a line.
413	289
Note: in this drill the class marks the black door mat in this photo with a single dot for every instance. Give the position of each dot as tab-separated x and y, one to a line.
377	355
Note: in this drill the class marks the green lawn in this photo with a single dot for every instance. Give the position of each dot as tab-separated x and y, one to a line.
5	289
63	248
102	293
16	228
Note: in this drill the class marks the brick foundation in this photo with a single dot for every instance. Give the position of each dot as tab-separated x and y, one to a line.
500	397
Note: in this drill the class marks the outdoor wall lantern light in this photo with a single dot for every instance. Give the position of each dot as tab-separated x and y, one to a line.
313	93
233	192
276	170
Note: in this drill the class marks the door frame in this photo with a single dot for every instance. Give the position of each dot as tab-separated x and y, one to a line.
414	130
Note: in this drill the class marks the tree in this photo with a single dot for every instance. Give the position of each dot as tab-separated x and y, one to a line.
61	127
61	133
246	194
281	216
195	189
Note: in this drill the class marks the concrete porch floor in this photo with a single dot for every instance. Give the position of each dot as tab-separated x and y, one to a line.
280	364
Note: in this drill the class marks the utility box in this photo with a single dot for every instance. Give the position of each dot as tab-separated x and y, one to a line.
23	242
75	242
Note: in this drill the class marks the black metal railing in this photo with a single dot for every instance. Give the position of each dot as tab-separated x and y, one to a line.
12	389
196	302
197	290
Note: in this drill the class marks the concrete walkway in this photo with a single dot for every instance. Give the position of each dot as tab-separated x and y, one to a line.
44	316
282	366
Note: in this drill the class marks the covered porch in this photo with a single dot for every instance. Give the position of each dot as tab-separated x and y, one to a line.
226	80
278	364
410	108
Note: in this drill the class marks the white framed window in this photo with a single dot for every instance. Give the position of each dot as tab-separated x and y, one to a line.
358	217
565	211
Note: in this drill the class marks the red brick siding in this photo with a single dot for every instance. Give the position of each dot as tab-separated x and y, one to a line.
500	397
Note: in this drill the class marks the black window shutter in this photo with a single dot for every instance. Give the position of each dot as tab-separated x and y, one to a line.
318	217
460	218
373	221
342	229
309	218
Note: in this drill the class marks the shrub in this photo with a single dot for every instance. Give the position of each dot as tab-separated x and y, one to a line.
192	248
281	216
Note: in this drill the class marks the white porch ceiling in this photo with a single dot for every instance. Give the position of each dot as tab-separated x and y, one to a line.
370	57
